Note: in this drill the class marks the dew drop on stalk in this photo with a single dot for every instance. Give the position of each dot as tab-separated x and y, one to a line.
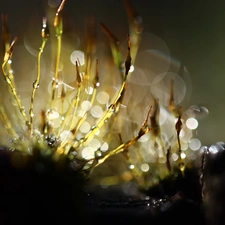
31	113
98	153
35	85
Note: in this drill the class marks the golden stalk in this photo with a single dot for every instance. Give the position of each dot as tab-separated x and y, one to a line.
7	57
45	35
145	128
58	24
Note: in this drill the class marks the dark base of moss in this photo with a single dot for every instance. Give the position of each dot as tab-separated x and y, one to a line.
39	191
186	185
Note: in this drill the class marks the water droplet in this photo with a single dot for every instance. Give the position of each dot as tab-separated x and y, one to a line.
98	153
97	84
35	85
31	113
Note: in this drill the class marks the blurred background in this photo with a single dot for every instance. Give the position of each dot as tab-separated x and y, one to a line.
191	32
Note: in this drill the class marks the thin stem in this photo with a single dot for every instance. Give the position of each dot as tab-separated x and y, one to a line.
55	81
45	35
7	57
144	130
58	24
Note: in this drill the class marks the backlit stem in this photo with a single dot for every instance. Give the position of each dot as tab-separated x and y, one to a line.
144	130
45	35
7	57
58	24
